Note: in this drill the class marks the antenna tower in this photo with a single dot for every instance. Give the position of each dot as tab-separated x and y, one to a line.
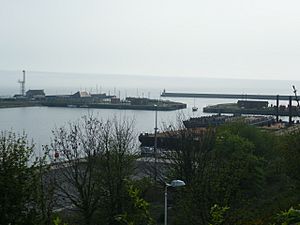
22	84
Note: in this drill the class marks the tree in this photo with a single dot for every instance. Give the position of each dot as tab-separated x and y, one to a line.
225	166
290	149
137	212
238	178
20	182
217	214
115	166
276	176
93	160
189	159
44	192
73	153
289	217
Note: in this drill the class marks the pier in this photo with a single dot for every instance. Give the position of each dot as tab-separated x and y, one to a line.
275	111
232	108
228	96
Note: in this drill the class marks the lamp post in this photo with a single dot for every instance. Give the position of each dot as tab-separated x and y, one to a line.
174	183
155	145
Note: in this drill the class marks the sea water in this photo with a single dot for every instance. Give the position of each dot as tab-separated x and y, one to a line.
38	122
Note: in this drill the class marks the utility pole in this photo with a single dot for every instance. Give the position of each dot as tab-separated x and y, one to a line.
277	108
155	145
290	111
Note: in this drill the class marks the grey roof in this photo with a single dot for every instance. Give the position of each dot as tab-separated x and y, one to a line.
35	92
81	94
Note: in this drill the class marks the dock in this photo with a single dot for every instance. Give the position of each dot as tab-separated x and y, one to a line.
151	107
227	96
275	111
232	108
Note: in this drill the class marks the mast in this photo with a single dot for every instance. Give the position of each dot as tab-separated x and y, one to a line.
22	84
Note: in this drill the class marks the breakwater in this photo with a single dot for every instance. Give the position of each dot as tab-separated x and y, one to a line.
233	108
226	96
131	103
13	103
163	107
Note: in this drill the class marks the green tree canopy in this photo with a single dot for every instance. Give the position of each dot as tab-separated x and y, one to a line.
19	181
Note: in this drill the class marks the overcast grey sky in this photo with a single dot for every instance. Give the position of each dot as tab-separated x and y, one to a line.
201	38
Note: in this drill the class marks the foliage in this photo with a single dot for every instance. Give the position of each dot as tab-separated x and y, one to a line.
21	179
217	214
115	165
254	172
75	169
190	160
239	179
138	210
95	159
237	165
289	217
290	149
57	221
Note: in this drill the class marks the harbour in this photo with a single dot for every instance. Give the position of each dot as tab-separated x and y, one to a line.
85	99
149	113
41	112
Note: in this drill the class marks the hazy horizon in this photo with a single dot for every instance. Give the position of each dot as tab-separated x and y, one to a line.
148	86
251	39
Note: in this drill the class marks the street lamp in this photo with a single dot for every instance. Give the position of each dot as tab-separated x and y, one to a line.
174	183
155	144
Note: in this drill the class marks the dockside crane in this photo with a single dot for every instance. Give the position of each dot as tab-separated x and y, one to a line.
296	96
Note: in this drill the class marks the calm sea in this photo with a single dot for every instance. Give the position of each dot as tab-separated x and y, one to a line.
38	122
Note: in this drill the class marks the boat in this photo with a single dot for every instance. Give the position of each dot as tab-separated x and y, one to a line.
168	139
218	120
71	106
164	139
205	121
194	109
197	126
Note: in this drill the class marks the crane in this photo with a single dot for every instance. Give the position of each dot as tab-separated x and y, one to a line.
295	92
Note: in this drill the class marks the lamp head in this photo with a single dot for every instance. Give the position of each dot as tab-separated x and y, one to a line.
177	183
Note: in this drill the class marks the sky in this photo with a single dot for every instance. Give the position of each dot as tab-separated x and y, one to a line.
247	39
